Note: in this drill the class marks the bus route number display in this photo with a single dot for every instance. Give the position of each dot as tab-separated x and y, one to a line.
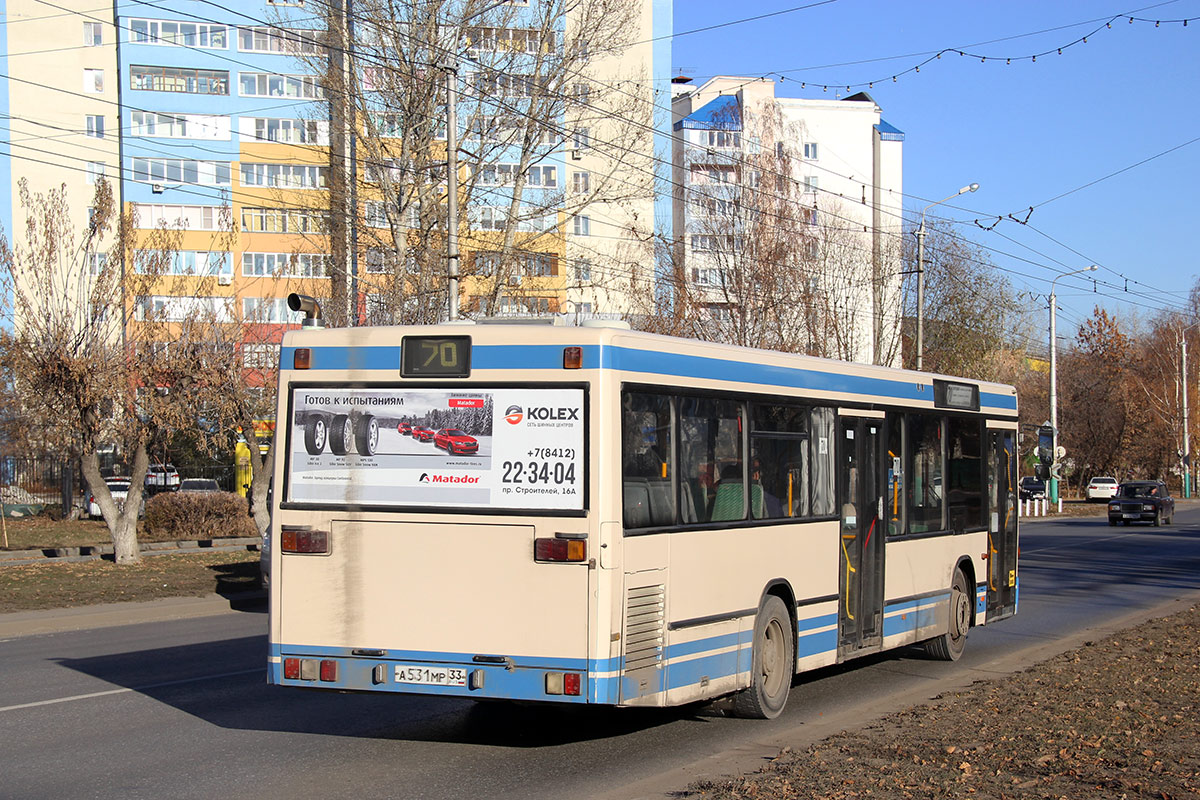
435	357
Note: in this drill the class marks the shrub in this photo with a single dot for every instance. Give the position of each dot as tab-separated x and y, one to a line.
191	515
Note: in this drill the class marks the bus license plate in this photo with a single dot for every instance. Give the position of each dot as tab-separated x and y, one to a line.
430	675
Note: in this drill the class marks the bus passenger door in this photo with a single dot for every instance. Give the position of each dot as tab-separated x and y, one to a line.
1002	525
861	450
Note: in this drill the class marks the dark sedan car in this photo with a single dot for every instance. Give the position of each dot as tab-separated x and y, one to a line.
1031	488
1142	501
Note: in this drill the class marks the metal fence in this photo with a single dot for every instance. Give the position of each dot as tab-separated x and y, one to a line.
51	481
40	481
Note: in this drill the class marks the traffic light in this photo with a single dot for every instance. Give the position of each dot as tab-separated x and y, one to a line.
1042	471
1045	447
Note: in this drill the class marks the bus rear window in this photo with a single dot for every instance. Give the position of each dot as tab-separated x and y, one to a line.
469	447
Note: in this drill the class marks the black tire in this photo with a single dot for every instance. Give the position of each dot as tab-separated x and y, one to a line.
367	435
1112	522
950	645
315	434
772	664
341	434
1157	519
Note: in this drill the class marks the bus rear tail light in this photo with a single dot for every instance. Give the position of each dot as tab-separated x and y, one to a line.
559	549
302	539
291	669
328	670
302	358
567	683
572	358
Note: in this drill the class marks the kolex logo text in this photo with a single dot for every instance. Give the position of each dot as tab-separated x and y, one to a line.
554	413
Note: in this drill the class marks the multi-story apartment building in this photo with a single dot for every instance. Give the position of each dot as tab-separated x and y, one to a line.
217	120
794	203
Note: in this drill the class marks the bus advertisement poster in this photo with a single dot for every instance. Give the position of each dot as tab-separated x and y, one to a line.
469	448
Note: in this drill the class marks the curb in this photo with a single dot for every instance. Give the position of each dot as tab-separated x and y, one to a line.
107	615
14	558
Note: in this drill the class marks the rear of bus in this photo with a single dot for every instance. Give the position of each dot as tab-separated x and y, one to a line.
453	563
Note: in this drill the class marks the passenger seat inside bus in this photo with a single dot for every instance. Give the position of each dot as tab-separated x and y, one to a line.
648	503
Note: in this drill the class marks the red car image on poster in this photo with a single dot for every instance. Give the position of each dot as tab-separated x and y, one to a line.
422	434
452	440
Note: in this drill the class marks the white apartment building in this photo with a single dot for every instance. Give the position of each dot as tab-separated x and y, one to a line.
747	160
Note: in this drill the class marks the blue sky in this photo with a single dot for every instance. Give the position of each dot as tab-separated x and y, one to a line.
1027	132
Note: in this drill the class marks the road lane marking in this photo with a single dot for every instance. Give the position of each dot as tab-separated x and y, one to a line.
90	695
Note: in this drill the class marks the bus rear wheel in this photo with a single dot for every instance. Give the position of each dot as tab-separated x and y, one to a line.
772	663
950	645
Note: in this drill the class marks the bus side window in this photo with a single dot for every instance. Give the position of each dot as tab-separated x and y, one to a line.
646	460
710	439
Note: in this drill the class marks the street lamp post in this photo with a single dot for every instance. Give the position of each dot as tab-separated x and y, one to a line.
921	272
1052	484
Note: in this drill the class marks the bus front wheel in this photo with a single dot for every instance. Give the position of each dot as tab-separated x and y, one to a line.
950	645
772	663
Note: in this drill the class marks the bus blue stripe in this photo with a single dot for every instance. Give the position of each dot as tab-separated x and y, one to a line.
522	357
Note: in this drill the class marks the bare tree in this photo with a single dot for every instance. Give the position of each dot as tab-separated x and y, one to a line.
527	90
972	313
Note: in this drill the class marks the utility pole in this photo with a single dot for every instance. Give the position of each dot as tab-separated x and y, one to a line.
1187	447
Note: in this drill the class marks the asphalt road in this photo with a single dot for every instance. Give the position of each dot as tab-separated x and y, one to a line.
179	709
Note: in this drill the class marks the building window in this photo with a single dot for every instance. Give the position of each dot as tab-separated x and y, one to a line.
178	126
95	126
269	309
268	39
179	309
581	182
93	81
188	218
93	34
268	84
583	270
178	79
284	265
96	262
296	3
810	151
178	33
546	177
260	356
179	170
811	183
184	262
95	171
284	176
284	220
289	131
722	139
581	139
581	225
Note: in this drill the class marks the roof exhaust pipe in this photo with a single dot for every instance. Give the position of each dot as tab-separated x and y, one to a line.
310	307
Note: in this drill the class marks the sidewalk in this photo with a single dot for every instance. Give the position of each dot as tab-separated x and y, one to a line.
58	620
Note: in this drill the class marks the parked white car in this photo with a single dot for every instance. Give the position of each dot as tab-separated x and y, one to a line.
1102	487
162	477
119	487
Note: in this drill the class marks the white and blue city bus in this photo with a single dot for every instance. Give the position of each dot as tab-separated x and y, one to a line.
597	515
